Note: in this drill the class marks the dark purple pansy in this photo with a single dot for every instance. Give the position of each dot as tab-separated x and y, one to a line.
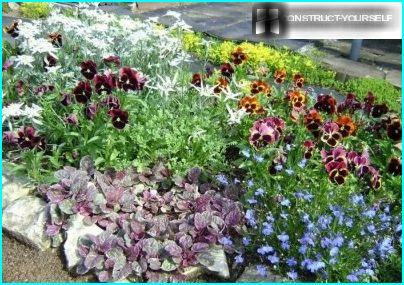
82	92
104	83
326	103
88	69
119	118
27	138
91	111
394	167
394	131
379	110
130	79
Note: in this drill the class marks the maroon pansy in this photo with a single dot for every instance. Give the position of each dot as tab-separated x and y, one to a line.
82	92
56	39
368	103
309	146
49	61
91	111
111	102
27	138
375	178
12	30
119	118
379	110
266	131
88	69
326	103
350	104
113	59
394	166
196	80
130	79
104	83
394	131
227	70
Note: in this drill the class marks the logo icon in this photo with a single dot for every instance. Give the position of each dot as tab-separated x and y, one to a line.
268	20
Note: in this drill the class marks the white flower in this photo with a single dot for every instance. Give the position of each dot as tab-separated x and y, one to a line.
32	112
235	117
229	95
12	110
24	60
173	14
182	25
166	85
205	90
28	30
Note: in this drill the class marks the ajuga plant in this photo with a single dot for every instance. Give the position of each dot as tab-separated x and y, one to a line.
153	222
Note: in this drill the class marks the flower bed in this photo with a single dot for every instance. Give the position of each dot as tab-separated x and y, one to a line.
276	175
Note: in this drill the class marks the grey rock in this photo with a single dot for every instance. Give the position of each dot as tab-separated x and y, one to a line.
76	230
25	219
14	187
215	261
251	274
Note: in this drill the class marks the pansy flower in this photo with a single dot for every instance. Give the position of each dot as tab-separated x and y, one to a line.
297	98
260	87
27	138
360	162
251	105
220	85
112	59
378	110
49	61
91	111
266	131
280	76
336	164
111	102
346	126
56	39
326	103
394	166
313	121
226	70
66	99
394	131
88	69
119	118
350	104
298	80
12	30
43	89
309	146
331	134
104	83
238	56
130	79
196	80
368	102
82	92
72	120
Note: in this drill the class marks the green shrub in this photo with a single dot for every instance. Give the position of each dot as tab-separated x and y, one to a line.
35	10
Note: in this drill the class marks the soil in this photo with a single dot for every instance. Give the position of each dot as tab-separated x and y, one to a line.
22	263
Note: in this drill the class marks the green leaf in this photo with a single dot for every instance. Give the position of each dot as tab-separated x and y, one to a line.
169	265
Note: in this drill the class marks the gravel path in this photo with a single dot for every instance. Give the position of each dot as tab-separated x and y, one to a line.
22	263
